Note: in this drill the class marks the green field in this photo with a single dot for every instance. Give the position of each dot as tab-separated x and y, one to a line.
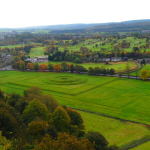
37	51
106	45
124	132
12	46
115	97
145	146
123	98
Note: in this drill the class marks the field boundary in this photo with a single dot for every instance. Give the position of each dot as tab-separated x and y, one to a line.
112	117
95	87
135	143
73	94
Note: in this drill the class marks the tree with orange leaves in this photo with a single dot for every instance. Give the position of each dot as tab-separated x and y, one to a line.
57	67
43	67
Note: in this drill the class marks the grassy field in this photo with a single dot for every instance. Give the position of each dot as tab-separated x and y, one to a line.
118	66
37	51
12	46
106	45
124	98
145	146
124	132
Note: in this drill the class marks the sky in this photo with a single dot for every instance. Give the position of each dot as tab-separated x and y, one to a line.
24	13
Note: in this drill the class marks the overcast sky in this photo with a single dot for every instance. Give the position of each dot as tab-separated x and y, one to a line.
22	13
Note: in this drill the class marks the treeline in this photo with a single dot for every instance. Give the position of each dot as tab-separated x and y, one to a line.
35	121
86	55
63	67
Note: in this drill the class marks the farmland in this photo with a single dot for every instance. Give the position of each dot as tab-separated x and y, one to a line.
122	98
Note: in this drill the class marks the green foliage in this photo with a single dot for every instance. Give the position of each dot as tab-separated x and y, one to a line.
8	123
37	129
35	110
4	142
144	74
98	140
61	119
64	142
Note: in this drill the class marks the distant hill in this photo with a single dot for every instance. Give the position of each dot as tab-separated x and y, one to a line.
126	26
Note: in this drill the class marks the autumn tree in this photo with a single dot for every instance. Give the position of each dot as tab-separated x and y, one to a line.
35	110
57	67
43	67
37	129
145	74
64	141
61	119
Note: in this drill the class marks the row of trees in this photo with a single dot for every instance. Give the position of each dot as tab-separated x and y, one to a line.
86	55
63	67
37	122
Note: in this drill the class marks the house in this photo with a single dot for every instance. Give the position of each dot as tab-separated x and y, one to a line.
38	59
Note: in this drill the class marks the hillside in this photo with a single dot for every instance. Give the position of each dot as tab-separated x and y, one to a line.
126	26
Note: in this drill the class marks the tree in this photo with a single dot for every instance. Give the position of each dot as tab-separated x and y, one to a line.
61	119
145	74
21	65
49	101
36	66
64	67
98	140
64	141
5	142
43	67
76	124
128	68
57	67
76	118
35	110
30	66
50	67
37	129
8	123
2	95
